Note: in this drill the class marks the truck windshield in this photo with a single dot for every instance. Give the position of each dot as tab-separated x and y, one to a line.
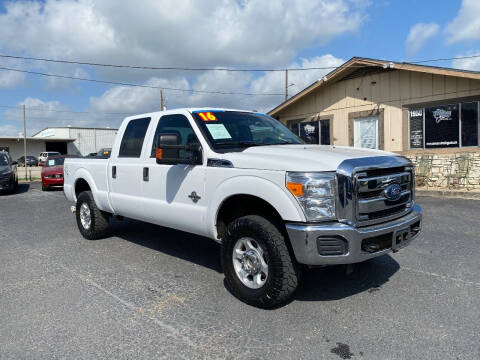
242	129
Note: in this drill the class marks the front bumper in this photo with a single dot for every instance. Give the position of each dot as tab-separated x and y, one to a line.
311	243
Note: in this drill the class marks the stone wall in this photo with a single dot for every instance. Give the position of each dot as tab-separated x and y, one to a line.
444	164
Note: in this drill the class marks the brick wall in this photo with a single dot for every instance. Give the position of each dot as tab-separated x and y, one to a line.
444	164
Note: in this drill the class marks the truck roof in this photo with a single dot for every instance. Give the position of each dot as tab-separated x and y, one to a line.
205	108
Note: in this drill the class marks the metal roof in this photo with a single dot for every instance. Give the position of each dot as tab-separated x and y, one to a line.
20	138
354	63
75	127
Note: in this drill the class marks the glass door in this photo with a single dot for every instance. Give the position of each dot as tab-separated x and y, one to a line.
366	132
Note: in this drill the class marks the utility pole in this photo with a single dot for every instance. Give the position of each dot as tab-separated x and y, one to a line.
286	84
25	141
162	103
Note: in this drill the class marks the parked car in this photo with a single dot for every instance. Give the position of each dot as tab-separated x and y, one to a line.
8	173
245	180
44	155
52	172
31	161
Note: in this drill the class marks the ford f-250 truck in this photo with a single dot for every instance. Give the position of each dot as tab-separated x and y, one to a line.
245	180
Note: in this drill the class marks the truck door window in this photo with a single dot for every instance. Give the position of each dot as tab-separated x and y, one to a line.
132	141
175	124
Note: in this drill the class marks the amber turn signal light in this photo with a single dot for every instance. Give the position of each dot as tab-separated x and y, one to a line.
295	188
159	153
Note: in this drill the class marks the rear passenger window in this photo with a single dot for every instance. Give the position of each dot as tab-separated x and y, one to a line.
132	141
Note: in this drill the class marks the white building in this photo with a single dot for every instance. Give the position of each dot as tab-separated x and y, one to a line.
65	140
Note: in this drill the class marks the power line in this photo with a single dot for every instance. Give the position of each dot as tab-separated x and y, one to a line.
181	68
139	85
19	107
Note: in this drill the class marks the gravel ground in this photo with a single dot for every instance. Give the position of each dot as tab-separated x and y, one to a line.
150	292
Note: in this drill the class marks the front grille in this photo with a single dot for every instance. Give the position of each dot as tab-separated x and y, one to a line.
362	185
372	204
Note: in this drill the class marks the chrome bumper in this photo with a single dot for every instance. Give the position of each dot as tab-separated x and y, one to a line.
308	240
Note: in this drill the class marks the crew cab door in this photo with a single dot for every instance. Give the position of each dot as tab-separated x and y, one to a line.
174	195
125	170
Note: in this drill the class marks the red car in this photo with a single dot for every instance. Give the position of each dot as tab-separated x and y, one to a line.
52	172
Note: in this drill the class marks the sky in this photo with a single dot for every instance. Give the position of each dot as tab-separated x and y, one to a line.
240	34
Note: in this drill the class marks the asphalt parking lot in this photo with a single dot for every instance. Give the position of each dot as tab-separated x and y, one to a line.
150	292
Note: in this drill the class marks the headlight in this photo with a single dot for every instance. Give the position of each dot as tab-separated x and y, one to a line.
315	192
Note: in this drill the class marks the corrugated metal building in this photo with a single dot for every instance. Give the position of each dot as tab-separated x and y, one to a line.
84	140
393	106
66	140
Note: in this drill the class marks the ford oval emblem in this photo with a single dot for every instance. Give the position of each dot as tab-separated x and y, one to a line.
393	192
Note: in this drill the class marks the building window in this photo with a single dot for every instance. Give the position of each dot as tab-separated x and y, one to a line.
312	132
366	132
309	132
444	126
325	132
469	119
132	141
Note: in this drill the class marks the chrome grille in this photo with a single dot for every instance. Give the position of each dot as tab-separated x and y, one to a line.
372	206
361	189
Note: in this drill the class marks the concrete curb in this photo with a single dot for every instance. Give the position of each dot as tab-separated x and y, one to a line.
472	195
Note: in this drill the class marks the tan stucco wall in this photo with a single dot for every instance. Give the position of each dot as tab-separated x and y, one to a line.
393	91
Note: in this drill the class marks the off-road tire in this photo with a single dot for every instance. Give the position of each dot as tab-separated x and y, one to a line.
100	220
283	272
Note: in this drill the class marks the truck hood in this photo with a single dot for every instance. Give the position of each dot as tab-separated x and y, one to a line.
298	157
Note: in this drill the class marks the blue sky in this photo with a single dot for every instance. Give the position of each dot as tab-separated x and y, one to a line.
240	34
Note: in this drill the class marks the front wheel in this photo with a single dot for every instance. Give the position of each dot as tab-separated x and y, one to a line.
257	264
91	221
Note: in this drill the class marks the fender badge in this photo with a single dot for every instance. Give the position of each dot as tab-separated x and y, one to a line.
194	196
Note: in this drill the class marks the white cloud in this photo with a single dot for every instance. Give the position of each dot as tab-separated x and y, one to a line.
466	25
184	32
468	63
136	100
9	79
419	34
9	130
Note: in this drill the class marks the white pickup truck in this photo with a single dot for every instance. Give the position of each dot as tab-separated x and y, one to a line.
243	179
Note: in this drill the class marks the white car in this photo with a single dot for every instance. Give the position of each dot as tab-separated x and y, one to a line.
243	179
42	158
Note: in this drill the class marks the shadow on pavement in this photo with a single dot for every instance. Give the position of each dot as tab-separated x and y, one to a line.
21	188
332	282
196	249
319	284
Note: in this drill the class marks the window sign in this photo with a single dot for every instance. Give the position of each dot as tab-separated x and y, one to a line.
441	126
309	132
416	129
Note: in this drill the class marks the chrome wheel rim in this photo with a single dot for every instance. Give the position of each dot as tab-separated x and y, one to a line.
85	216
249	263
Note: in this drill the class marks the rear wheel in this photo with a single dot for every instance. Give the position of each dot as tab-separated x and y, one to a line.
257	264
91	221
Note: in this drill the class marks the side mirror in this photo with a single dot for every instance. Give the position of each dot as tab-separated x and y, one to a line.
168	151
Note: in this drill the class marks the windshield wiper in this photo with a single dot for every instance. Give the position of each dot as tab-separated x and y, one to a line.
240	143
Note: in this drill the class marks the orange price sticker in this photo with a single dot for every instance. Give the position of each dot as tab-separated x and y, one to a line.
207	116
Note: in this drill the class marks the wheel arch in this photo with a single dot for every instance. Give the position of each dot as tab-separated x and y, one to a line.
246	193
